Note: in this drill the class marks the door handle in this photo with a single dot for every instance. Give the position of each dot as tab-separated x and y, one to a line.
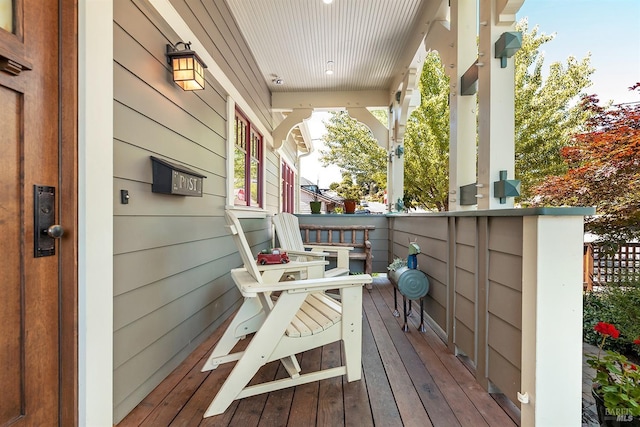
55	231
46	231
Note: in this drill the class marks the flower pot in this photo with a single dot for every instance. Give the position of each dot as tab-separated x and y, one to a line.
315	207
350	206
619	417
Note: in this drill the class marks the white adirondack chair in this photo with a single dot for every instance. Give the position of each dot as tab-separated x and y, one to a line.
288	232
302	318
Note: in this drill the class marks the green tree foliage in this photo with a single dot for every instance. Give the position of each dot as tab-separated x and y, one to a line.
347	189
546	111
351	146
603	171
546	115
426	167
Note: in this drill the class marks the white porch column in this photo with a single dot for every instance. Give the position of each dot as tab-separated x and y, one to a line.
395	170
462	146
551	371
496	147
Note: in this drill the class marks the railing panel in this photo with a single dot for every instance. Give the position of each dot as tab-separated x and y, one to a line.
504	336
506	269
506	304
432	237
506	234
505	280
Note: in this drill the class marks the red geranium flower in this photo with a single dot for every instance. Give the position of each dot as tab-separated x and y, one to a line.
607	329
637	341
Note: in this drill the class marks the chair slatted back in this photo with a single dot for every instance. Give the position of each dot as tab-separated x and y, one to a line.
288	231
244	249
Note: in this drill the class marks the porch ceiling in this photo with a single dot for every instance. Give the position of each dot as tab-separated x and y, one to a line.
372	44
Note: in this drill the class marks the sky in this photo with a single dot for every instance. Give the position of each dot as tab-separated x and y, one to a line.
609	29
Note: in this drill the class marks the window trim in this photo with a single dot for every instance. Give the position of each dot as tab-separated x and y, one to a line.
257	211
292	199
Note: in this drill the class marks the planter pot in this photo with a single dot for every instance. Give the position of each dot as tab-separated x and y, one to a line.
618	419
350	206
315	207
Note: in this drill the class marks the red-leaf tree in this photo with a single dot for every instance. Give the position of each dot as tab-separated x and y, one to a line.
604	171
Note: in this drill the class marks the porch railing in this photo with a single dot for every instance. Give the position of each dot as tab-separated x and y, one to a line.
505	291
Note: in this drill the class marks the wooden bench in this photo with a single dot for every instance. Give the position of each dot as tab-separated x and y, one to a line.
356	236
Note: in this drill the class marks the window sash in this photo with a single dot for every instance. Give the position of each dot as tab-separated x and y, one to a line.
248	163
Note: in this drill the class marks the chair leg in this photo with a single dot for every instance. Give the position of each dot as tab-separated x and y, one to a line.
258	351
247	320
352	332
292	366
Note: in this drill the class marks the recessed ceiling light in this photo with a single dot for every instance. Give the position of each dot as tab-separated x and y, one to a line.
327	1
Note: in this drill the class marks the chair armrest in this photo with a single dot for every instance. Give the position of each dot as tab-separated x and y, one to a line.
329	248
275	272
308	253
291	266
250	287
342	253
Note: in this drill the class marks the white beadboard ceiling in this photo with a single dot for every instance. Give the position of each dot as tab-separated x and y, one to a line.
371	42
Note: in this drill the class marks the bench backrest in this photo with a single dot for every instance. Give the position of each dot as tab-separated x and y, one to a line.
337	235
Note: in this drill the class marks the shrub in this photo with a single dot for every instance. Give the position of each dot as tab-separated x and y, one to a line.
619	305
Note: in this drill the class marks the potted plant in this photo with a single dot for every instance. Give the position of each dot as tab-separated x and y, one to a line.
351	195
315	204
616	386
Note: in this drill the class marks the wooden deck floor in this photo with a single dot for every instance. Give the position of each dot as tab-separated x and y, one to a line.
408	379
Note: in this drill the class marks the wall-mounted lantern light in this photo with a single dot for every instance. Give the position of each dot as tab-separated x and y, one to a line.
187	67
507	46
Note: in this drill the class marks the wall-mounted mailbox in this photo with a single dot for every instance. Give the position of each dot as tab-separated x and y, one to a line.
170	178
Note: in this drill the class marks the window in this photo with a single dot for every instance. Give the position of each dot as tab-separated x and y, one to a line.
288	188
247	164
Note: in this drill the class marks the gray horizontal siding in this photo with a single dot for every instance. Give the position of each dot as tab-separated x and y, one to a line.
172	254
212	22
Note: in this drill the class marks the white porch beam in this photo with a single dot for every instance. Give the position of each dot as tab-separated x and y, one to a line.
380	132
496	121
281	133
287	101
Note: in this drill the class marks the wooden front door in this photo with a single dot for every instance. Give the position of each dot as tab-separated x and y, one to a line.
37	287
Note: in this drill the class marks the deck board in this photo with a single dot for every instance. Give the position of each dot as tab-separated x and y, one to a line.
429	391
408	379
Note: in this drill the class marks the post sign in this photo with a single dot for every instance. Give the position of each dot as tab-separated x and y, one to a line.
170	178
